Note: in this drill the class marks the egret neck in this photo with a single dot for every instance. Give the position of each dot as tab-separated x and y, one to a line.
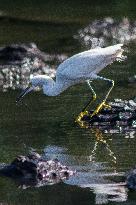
52	88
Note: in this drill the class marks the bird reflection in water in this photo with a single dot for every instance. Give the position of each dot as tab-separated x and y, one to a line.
120	119
106	189
102	176
100	139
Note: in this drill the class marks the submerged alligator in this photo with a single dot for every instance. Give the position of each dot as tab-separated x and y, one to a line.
33	169
120	118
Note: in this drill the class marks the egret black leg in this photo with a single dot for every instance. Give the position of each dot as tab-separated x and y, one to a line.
103	104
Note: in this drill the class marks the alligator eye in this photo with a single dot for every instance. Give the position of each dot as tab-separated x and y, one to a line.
66	173
54	174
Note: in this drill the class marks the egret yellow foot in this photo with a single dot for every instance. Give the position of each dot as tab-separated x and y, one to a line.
100	107
78	120
80	116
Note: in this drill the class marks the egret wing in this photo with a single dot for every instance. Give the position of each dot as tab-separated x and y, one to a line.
92	61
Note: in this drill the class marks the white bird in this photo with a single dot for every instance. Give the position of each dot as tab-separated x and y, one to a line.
82	67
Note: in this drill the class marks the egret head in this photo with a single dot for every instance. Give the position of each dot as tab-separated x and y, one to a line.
35	81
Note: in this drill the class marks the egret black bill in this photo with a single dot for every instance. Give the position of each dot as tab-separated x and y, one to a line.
23	93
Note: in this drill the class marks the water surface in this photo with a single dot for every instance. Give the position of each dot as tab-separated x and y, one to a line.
48	122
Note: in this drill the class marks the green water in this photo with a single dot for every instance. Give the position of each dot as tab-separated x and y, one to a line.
48	122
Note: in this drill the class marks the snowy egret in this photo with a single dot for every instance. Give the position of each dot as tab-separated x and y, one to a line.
82	67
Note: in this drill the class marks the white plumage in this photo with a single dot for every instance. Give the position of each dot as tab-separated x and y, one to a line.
79	68
84	64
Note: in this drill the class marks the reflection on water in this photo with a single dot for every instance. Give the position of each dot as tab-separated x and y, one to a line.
99	177
106	32
100	159
100	139
105	189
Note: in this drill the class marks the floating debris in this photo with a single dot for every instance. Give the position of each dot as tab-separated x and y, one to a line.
34	168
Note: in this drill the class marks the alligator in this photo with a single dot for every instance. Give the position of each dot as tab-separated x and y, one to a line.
120	118
33	169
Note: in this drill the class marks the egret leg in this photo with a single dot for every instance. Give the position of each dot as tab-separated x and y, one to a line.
92	99
103	104
84	111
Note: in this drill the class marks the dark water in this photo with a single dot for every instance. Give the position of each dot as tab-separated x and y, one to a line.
48	122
